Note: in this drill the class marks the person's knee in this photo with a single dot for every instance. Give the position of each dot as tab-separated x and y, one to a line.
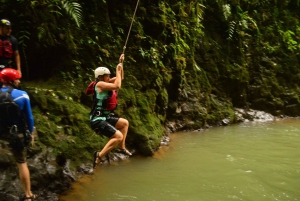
125	122
118	136
122	123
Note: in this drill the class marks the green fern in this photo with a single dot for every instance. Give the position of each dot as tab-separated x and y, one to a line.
288	38
263	2
231	30
253	22
41	32
199	10
226	11
74	10
24	34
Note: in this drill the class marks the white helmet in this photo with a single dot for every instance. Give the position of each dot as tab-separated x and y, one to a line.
101	71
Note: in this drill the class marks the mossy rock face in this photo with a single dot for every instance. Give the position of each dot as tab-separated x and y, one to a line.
145	130
63	123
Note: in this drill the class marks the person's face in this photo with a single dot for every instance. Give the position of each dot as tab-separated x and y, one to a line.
5	30
106	77
17	82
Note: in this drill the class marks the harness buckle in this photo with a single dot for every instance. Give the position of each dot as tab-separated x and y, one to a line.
98	113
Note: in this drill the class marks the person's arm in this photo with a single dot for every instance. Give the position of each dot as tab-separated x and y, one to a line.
115	82
28	113
121	60
29	117
112	80
107	86
18	61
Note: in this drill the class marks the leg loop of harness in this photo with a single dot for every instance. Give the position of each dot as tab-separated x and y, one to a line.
19	138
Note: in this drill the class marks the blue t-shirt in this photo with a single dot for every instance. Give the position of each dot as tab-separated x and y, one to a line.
21	98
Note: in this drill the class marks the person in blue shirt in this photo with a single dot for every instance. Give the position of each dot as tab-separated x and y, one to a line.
10	78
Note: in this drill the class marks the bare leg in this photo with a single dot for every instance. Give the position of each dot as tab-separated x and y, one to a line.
112	143
25	178
123	125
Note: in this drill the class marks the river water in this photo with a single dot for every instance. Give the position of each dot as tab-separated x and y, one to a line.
253	161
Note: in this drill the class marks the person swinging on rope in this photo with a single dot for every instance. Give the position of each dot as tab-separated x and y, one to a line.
102	119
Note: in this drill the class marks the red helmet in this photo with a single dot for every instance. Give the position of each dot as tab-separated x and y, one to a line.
9	74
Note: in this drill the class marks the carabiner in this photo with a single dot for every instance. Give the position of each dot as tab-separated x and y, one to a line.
13	128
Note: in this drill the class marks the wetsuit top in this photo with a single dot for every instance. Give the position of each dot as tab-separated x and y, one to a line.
21	98
8	45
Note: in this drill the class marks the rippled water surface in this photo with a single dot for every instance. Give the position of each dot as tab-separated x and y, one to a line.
248	161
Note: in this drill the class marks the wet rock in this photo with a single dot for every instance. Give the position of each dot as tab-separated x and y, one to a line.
47	177
9	197
173	126
198	130
252	115
225	122
165	141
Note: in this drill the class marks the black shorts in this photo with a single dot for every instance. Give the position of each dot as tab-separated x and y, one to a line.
20	156
107	127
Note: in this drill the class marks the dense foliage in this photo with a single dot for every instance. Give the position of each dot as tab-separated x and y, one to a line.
188	65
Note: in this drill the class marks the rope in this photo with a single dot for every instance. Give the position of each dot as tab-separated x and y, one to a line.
130	26
137	3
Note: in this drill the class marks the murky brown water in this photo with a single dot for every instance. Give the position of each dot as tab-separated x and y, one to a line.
248	161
